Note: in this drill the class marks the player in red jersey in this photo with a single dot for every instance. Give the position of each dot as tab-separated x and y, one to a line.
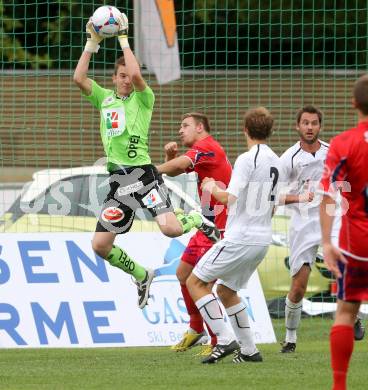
346	171
206	157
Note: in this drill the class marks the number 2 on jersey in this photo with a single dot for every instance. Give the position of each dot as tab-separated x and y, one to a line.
274	175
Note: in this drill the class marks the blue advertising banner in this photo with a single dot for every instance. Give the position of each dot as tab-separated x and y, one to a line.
55	292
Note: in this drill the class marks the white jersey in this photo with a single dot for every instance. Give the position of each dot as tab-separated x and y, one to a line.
302	171
254	183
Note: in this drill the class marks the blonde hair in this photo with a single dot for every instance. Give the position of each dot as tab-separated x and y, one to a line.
199	118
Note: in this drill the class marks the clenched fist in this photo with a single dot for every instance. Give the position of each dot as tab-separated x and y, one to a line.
171	150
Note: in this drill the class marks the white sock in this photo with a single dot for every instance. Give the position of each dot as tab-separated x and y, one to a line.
211	313
240	323
293	312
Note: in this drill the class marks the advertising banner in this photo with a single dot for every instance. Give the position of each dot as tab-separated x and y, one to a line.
55	292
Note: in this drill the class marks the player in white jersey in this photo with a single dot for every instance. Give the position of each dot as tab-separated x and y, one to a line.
302	167
250	197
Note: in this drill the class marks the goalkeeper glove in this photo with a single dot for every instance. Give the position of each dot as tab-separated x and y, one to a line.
123	31
93	38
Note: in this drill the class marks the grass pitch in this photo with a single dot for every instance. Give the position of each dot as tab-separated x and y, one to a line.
160	368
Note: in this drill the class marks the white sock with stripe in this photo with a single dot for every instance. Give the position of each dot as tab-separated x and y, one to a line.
240	323
212	314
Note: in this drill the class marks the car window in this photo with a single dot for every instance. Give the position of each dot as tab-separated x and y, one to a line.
14	208
63	197
183	187
176	200
94	191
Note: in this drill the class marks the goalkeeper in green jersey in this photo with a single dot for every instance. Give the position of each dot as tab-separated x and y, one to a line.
134	182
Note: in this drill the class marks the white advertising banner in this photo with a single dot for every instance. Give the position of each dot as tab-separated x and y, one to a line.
54	292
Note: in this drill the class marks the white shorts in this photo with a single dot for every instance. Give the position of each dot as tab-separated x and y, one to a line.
304	245
232	264
305	239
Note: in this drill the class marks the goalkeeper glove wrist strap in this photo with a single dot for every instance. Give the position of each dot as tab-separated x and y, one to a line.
123	40
92	46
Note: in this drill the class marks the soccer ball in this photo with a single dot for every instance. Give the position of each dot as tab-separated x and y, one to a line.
104	21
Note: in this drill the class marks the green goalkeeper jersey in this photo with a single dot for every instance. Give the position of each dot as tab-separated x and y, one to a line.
124	125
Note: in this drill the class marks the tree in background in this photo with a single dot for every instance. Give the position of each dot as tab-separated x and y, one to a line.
212	33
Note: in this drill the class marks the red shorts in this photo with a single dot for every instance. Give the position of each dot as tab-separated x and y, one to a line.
198	245
353	285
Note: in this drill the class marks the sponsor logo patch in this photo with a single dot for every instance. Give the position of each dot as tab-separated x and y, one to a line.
114	121
112	214
121	191
152	199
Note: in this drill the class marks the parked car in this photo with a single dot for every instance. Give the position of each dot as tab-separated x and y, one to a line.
68	200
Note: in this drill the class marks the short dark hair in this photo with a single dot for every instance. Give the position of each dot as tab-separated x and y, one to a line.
120	61
258	122
199	118
310	110
360	93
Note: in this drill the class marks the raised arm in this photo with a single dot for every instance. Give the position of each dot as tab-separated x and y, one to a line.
171	151
80	74
131	64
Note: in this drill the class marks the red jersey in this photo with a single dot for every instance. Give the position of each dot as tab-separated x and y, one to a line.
209	160
347	161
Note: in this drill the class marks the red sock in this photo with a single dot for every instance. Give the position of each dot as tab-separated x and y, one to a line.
213	336
196	320
341	345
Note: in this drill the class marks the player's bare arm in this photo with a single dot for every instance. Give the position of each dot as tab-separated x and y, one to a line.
80	77
175	166
209	185
131	64
331	254
80	74
305	197
133	70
